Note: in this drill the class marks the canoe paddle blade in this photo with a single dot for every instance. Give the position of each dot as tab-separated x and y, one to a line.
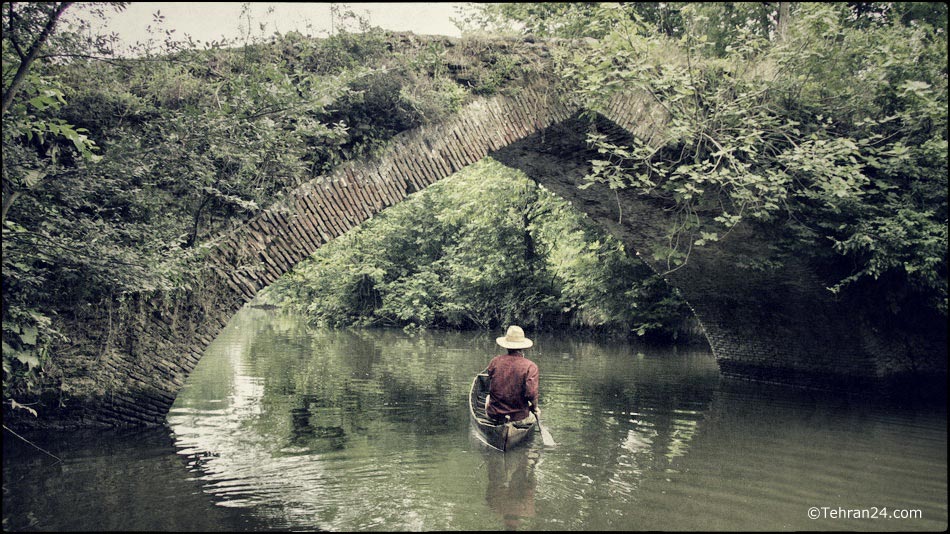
546	436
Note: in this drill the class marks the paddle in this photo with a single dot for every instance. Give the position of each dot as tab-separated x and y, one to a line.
546	436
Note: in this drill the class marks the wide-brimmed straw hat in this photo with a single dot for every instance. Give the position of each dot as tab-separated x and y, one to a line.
514	339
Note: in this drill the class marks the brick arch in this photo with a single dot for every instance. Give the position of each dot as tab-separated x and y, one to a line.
769	326
255	255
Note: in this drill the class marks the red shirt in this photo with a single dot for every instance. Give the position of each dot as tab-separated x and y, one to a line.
514	382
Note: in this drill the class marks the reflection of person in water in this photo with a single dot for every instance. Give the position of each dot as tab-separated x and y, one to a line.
511	485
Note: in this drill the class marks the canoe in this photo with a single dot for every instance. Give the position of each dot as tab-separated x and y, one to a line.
501	436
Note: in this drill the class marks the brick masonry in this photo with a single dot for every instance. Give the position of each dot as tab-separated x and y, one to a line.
766	326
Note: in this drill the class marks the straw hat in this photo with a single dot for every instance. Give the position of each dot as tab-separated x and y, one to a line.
514	339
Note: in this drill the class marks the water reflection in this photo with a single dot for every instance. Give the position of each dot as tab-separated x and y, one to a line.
367	430
109	481
345	420
511	485
287	428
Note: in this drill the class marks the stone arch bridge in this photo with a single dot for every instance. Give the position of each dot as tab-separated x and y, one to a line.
775	326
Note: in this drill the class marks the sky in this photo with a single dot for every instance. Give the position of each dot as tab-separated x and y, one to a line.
209	21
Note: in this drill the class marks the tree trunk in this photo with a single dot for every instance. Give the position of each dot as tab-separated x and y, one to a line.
8	198
193	238
530	251
782	24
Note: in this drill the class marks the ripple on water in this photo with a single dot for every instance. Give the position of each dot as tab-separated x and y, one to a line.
368	431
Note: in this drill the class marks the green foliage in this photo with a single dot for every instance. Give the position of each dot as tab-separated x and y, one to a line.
540	19
482	249
119	171
38	145
825	123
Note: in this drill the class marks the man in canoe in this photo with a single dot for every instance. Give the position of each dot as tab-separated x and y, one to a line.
514	381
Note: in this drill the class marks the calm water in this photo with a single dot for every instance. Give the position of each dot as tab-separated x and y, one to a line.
285	428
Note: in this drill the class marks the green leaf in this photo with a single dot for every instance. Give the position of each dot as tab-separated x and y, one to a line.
27	358
17	406
32	177
28	336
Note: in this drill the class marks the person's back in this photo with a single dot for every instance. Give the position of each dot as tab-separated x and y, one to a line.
513	390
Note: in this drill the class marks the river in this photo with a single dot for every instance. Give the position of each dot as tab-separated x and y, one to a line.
285	427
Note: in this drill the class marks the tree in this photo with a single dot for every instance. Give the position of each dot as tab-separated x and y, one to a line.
125	168
38	144
26	29
17	27
826	123
484	248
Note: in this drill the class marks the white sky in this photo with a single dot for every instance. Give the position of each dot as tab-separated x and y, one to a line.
208	21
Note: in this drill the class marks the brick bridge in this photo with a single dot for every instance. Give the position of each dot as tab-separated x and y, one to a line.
767	325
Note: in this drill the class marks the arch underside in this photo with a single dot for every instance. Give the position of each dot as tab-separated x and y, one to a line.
777	325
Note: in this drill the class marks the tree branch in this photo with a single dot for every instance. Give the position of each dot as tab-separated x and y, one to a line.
31	56
13	40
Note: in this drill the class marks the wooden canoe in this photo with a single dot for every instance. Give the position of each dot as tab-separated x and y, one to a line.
501	436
